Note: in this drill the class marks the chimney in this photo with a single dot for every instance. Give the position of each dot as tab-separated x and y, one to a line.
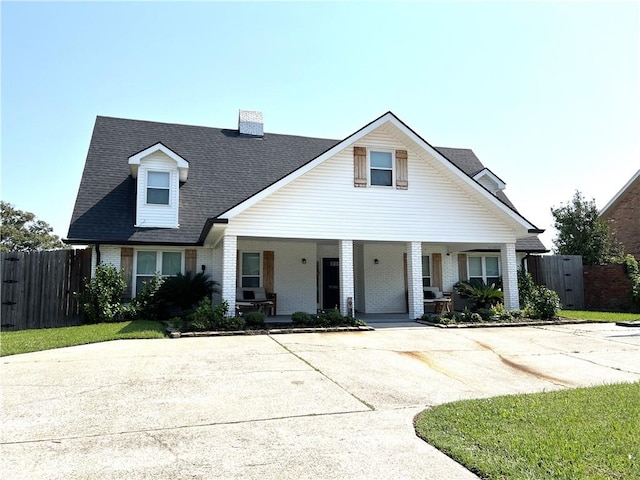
250	123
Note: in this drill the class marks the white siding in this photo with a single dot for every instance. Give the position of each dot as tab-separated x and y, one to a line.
323	203
149	215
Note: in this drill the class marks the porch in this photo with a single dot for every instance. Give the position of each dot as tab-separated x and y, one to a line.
379	278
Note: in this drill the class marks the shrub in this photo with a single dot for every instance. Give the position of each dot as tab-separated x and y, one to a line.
101	299
487	314
633	272
146	303
299	319
228	323
185	291
208	317
332	318
526	286
255	319
544	304
481	294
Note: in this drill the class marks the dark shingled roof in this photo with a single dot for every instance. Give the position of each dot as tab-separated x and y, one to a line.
225	168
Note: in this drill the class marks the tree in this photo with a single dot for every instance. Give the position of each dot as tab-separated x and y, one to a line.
22	232
581	231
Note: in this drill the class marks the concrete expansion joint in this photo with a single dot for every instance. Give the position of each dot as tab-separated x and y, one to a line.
368	405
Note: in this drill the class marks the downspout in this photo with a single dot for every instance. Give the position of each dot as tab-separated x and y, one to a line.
97	254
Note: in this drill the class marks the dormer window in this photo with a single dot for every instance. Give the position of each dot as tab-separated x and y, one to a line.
158	188
158	172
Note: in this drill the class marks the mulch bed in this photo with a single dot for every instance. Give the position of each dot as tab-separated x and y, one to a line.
173	333
523	323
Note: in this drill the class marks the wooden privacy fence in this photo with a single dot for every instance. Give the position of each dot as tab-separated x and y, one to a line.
38	288
562	274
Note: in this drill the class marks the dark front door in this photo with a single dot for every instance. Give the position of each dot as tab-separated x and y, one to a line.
330	283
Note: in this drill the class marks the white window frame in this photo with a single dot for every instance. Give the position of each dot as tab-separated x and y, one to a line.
159	254
393	166
169	189
426	277
240	269
483	259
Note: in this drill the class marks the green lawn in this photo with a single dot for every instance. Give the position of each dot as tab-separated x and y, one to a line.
586	433
599	316
25	341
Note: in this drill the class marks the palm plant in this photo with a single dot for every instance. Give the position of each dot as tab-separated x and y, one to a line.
185	291
481	294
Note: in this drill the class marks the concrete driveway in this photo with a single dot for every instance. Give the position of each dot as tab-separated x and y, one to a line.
325	405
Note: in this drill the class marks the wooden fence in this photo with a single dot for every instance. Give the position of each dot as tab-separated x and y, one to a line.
38	288
562	274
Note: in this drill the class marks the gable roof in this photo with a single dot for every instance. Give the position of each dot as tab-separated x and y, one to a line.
622	191
225	169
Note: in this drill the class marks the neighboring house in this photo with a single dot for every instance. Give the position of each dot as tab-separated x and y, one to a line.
623	214
365	222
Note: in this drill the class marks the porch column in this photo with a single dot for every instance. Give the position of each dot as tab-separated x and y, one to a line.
509	276
414	279
347	286
229	274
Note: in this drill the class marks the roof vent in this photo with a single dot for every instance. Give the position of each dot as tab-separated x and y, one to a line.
250	123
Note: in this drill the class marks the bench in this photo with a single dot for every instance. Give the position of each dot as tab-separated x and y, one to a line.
255	298
441	302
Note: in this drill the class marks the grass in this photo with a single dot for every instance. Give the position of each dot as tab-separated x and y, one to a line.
24	341
599	316
586	433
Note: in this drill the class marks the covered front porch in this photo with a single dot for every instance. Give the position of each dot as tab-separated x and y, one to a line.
359	278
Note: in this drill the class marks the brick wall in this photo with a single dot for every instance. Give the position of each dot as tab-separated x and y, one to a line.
624	219
607	288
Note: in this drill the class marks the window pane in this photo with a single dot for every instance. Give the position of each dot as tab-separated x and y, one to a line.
475	267
381	177
250	264
171	263
250	281
140	279
158	179
426	282
380	160
158	196
426	272
493	270
146	263
494	280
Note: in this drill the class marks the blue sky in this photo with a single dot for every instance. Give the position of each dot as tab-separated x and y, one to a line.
546	94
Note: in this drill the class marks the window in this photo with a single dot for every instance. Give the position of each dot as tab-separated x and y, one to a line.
426	271
158	188
168	264
381	165
485	269
250	271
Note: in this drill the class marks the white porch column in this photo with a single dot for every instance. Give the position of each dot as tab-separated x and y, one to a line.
414	279
509	276
229	274
347	286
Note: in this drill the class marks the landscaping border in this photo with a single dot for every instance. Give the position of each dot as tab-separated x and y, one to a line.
173	333
531	323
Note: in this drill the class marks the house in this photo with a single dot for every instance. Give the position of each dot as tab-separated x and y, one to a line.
361	223
623	215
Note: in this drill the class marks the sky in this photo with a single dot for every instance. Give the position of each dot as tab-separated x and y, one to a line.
547	94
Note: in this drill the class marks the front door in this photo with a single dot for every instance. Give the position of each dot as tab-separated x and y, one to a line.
330	283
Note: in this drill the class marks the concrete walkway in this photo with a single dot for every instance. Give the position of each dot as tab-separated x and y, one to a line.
332	405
